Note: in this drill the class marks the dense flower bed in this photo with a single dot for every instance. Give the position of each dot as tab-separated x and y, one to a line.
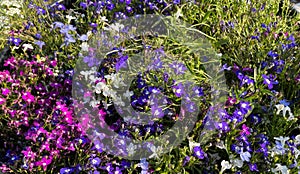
45	129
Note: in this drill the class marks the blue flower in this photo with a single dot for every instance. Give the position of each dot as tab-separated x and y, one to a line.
284	102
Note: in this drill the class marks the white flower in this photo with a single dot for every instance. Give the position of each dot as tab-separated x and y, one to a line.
245	156
103	19
225	165
128	94
94	103
116	27
297	7
282	169
178	14
297	139
131	149
70	18
281	107
156	151
192	144
26	46
84	46
236	162
115	80
13	11
282	139
297	153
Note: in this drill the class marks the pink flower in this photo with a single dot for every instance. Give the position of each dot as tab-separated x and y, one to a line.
2	100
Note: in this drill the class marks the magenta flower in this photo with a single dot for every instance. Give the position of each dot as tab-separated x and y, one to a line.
245	130
44	162
5	91
29	154
28	97
10	62
231	101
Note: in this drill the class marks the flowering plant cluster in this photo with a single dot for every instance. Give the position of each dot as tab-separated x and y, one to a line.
53	115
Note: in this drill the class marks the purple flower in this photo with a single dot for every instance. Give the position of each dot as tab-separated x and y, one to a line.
83	37
198	91
253	167
284	102
58	25
247	80
238	115
255	37
2	100
226	67
95	161
245	130
191	107
255	119
40	11
66	170
223	126
272	54
15	41
198	152
61	7
179	68
240	75
83	5
40	43
155	64
122	63
245	107
176	2
109	5
178	90
157	111
129	9
269	80
5	91
143	164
